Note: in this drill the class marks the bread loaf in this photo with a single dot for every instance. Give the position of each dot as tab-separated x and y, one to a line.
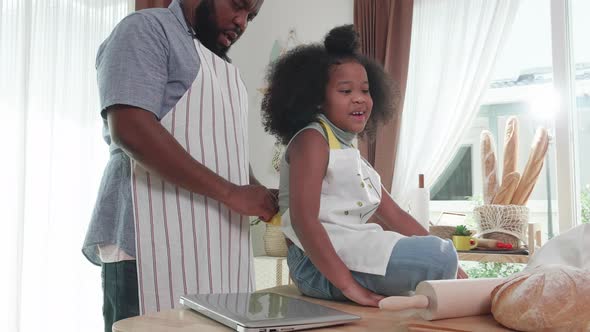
489	166
533	167
510	148
506	190
547	298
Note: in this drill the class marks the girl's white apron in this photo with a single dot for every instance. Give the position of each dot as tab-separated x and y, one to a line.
188	243
351	193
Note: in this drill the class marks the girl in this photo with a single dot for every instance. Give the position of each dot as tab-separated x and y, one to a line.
347	237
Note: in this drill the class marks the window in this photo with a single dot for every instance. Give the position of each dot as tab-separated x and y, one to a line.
543	78
521	86
581	55
455	183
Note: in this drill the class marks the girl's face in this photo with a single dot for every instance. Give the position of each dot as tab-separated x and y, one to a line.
348	101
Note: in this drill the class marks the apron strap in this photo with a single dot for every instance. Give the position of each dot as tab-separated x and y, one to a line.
332	140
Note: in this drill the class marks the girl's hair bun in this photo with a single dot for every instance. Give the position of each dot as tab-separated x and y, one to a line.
342	40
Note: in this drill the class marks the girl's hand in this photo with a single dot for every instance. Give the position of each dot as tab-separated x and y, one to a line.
361	295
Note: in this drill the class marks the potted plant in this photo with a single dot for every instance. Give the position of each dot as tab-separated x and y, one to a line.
462	239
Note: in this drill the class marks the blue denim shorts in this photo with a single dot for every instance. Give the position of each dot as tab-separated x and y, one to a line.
412	260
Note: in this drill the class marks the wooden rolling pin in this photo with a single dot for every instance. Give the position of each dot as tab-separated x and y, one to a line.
440	299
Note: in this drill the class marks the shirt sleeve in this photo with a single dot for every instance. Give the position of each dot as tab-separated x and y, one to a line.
132	65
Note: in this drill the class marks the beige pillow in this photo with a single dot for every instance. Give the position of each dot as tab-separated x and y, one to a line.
546	298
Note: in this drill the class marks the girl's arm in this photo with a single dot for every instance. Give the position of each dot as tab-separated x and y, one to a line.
393	218
308	157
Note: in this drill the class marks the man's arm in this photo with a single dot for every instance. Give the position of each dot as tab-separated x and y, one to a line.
274	193
308	159
142	137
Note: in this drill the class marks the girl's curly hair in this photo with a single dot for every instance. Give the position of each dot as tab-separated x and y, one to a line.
297	84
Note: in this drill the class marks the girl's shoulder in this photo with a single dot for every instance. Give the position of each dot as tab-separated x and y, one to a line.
306	139
313	126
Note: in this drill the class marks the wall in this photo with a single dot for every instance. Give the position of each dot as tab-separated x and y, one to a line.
311	19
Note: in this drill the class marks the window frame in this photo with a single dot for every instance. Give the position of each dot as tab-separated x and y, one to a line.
565	135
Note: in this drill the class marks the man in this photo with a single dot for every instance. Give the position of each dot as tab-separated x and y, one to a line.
169	217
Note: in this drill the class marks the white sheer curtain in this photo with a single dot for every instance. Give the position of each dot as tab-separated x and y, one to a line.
453	50
52	160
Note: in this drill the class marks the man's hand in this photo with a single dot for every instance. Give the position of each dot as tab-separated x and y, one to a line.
361	295
252	200
461	274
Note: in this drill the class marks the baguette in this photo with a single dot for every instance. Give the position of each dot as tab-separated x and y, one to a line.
510	148
533	167
489	166
507	189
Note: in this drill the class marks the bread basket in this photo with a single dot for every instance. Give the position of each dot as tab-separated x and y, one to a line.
506	223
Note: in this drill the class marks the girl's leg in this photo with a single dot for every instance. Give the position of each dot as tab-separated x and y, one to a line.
308	278
413	259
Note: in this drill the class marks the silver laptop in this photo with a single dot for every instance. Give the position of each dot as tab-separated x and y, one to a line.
264	312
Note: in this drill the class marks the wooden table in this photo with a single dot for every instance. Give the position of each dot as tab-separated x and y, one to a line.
491	257
533	241
372	319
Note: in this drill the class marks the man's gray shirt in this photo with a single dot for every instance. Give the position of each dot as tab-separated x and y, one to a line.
149	61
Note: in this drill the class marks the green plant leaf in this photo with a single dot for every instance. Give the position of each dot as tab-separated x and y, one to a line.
462	230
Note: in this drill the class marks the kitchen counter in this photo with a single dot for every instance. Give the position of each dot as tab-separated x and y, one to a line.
373	319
